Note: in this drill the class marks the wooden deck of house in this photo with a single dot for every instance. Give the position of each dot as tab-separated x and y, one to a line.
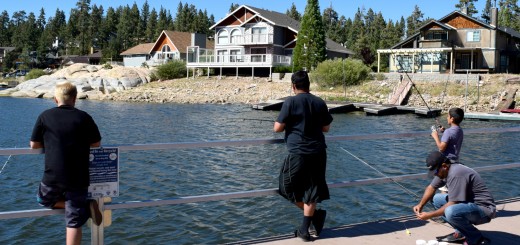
501	230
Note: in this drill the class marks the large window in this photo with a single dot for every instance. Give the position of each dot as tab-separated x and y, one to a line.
436	35
473	36
259	34
236	36
223	37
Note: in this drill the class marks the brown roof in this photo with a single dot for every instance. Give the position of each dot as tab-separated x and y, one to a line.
139	49
181	40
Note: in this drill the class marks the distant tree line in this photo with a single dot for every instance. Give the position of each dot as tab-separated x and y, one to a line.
114	30
111	30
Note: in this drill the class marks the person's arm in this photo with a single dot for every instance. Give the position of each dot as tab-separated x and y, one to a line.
427	196
440	145
436	213
278	127
36	145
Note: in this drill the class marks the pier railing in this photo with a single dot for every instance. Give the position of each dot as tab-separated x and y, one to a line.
97	236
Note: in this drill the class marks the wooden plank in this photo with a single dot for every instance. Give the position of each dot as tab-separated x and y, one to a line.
492	116
432	112
340	107
508	101
400	93
380	110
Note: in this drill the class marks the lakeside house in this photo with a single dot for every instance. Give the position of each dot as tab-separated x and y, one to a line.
254	40
457	43
170	45
3	53
251	39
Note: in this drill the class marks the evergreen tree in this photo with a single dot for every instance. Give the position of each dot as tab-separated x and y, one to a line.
134	22
414	21
233	7
83	16
486	12
111	44
5	35
469	4
162	23
143	22
330	20
125	29
310	47
95	32
508	15
293	13
151	27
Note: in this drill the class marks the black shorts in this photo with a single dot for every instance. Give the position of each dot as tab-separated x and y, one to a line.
302	178
76	203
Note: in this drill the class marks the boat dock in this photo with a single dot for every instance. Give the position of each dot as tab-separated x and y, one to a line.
368	108
493	116
501	230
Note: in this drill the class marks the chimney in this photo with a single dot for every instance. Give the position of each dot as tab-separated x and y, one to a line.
464	8
494	16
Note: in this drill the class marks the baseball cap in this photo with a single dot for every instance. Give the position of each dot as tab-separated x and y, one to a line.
434	161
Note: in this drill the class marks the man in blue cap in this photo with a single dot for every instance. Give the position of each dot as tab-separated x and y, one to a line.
468	203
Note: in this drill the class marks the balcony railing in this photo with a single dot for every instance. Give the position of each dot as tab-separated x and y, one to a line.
239	60
249	39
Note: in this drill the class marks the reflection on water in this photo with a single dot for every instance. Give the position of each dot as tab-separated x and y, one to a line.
165	174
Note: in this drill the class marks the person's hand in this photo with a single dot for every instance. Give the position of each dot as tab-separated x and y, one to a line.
423	215
417	209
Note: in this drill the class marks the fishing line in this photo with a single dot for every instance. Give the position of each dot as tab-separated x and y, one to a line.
397	183
5	164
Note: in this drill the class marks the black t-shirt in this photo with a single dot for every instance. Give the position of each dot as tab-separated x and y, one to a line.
304	116
66	134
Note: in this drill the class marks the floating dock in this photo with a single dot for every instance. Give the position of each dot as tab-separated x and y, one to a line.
368	108
492	116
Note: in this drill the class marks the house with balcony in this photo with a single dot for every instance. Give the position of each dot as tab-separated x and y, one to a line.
253	41
170	45
457	43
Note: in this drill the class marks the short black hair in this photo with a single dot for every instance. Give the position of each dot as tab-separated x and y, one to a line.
457	114
301	81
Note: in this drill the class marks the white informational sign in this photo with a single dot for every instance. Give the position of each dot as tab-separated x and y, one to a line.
104	172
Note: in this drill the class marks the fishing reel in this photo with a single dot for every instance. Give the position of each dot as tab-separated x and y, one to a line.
437	128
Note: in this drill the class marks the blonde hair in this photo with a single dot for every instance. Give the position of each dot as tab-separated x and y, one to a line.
65	92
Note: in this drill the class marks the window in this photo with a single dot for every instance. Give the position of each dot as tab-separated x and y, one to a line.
222	55
236	35
473	36
235	55
166	48
223	37
259	34
436	35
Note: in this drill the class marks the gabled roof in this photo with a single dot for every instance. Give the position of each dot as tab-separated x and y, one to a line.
336	47
181	40
139	49
272	17
435	22
510	31
406	40
468	17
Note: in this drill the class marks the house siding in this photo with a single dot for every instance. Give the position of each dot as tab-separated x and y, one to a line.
134	61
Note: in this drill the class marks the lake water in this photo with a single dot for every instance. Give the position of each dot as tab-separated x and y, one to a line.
162	174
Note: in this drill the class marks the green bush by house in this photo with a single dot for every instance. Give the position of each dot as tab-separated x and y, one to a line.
339	72
170	70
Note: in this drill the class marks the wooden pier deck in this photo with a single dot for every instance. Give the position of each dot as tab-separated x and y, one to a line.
501	230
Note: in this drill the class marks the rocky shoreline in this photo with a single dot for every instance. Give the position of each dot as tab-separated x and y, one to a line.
133	85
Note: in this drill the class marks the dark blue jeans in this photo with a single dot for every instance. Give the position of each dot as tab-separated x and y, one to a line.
463	217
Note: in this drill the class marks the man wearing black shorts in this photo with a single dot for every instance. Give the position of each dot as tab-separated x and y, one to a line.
67	134
304	117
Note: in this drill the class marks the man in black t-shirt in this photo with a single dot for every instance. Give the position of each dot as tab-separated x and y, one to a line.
304	117
66	134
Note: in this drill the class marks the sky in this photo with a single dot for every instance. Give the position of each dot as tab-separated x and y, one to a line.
391	9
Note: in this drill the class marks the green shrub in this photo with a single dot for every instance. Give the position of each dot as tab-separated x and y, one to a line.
282	69
34	73
107	66
332	73
380	76
171	70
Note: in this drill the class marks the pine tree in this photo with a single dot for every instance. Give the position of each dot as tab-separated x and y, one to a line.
508	15
469	4
293	13
233	7
486	12
151	27
143	22
5	35
330	19
414	21
310	47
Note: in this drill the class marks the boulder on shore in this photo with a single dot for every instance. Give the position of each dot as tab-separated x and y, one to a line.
89	79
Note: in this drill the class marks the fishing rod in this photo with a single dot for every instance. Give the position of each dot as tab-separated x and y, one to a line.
255	119
437	124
